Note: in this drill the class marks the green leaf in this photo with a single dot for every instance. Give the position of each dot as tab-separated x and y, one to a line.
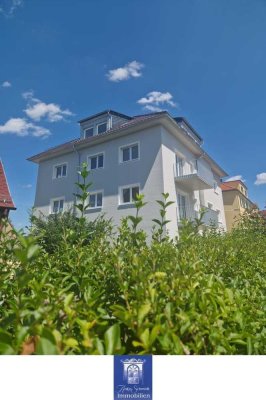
33	251
143	311
112	339
46	347
249	346
145	338
6	349
71	342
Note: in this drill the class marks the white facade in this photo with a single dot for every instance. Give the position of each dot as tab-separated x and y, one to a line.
151	154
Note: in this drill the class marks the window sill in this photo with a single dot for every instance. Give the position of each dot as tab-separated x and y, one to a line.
129	161
95	169
93	210
126	205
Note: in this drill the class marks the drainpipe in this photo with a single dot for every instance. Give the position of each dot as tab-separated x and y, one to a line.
78	154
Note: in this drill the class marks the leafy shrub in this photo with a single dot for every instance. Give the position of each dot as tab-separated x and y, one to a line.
115	294
49	230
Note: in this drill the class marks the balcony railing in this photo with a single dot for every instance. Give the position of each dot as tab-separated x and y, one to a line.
186	212
210	217
196	177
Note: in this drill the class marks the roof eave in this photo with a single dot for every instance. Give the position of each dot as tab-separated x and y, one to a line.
163	117
80	144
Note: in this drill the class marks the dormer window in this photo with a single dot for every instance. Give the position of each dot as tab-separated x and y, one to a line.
89	132
101	128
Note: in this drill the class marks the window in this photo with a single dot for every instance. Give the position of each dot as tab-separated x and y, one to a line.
129	194
96	200
57	206
182	206
129	153
101	128
60	171
96	161
179	166
89	132
215	187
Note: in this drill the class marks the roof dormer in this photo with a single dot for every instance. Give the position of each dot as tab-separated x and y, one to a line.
100	123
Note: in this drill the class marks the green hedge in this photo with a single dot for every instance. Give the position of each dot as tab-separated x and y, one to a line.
119	293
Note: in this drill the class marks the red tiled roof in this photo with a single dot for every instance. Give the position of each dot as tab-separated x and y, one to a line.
5	197
232	184
226	186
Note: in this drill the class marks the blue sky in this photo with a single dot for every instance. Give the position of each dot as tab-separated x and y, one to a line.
204	59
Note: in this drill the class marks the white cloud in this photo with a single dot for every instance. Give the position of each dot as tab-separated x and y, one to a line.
155	100
235	178
28	95
6	84
37	109
21	127
261	179
130	70
9	7
153	108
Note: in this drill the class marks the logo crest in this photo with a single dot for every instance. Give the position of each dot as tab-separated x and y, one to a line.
132	377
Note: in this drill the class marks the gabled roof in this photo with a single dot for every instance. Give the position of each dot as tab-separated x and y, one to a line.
5	196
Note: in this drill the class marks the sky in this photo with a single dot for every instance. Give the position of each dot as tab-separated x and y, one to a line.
63	60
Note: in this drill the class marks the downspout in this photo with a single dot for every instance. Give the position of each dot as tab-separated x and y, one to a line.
79	158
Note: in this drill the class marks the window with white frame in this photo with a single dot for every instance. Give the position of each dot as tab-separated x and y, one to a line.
57	205
101	128
129	153
96	161
89	132
96	200
128	194
60	171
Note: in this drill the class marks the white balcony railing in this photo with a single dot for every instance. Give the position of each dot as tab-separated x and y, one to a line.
196	175
210	216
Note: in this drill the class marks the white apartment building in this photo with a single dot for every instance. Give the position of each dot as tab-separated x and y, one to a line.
150	154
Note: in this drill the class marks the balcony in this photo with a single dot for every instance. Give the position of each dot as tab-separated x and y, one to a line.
210	217
196	177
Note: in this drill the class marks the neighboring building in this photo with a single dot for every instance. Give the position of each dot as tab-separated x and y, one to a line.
236	201
263	213
150	154
6	202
